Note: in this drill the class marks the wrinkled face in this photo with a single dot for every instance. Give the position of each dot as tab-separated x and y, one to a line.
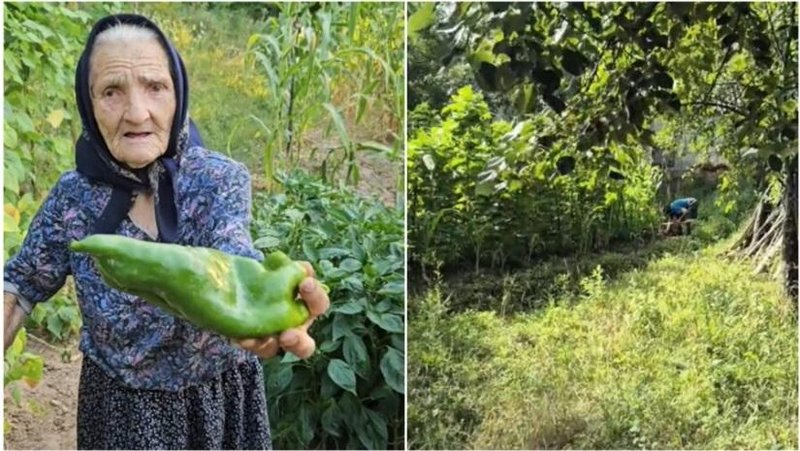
133	99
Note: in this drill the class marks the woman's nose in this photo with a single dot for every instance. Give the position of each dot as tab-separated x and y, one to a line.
137	111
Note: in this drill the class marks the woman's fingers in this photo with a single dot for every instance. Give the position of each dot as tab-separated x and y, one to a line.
298	342
262	347
312	292
267	348
309	269
314	296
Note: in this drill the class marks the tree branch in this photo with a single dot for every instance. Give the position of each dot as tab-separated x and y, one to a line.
724	106
596	66
775	39
728	54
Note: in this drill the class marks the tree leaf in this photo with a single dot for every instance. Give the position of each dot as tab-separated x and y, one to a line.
23	121
343	325
309	251
394	288
428	161
267	242
31	371
10	137
307	424
750	152
280	379
422	18
350	265
55	117
329	346
351	408
55	326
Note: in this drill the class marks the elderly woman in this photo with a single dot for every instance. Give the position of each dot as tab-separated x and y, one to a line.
149	380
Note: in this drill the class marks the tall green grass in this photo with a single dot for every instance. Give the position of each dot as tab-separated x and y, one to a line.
261	76
691	352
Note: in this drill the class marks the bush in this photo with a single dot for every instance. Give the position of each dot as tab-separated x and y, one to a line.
350	394
497	194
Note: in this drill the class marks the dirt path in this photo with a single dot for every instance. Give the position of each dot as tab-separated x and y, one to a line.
46	416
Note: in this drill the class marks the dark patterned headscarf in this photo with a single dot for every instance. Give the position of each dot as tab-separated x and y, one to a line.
94	160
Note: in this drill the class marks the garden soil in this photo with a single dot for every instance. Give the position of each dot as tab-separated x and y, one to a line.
46	415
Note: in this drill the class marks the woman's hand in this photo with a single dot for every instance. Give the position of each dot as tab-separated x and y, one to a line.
297	341
13	317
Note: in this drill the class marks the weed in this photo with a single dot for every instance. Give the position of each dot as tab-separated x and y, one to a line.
689	352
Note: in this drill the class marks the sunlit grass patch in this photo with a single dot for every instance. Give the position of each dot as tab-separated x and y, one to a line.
692	352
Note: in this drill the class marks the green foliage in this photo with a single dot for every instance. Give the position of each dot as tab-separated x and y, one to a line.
613	67
421	117
499	192
59	318
433	77
22	366
558	279
361	345
328	62
42	44
677	355
350	393
721	76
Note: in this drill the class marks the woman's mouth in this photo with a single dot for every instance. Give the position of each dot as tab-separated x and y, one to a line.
137	135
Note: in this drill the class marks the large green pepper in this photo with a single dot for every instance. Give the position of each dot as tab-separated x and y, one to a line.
234	296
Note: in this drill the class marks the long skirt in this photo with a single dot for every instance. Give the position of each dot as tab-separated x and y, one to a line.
228	412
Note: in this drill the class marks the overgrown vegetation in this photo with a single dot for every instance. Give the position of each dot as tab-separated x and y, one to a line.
494	192
548	311
691	352
593	94
38	143
303	84
350	395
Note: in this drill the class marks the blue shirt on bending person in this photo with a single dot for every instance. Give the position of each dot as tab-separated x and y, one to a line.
678	212
681	208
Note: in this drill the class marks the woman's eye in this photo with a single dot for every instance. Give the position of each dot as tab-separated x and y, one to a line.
157	87
109	92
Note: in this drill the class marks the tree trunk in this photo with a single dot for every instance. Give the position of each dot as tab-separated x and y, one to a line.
790	229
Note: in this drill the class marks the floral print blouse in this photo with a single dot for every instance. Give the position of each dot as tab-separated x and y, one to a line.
135	342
